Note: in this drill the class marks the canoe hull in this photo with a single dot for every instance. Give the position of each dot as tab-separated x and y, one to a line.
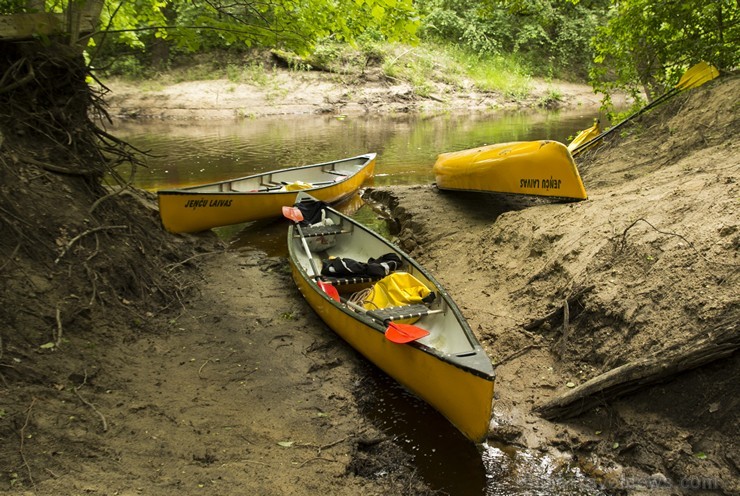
538	168
191	210
464	398
448	368
583	137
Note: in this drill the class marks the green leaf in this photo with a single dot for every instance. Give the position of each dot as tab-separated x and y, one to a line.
701	455
378	12
48	346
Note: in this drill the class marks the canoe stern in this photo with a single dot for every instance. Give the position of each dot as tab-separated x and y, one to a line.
463	395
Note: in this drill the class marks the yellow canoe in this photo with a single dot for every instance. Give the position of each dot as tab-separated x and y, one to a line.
260	196
448	368
539	168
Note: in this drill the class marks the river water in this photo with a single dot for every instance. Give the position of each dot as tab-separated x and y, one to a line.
184	153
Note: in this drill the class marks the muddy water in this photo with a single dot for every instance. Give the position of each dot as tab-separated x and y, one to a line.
407	146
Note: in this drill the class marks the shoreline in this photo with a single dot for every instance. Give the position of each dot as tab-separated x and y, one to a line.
315	93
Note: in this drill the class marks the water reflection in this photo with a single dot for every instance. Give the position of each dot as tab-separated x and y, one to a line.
407	145
448	462
513	471
268	236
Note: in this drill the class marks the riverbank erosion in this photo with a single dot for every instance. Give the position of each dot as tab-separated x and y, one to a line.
612	321
290	92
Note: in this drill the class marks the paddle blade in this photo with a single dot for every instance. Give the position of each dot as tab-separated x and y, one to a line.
404	333
697	75
329	290
293	213
584	136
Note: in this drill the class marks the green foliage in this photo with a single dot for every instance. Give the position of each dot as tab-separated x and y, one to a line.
645	46
553	35
197	25
12	7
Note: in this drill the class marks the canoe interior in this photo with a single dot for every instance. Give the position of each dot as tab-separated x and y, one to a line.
317	175
445	332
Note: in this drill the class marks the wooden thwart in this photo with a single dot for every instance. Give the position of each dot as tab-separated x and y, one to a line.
722	342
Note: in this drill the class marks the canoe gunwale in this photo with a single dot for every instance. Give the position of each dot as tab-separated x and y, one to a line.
196	189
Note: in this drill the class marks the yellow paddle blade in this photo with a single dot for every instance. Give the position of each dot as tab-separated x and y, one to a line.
697	75
584	136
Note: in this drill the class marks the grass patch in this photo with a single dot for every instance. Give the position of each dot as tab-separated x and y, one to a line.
425	64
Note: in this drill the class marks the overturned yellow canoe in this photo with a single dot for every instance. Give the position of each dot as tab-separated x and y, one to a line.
260	196
539	168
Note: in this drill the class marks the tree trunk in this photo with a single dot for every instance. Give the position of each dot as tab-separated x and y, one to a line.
721	342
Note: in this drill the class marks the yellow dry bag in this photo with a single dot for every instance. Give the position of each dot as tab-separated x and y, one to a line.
297	186
397	289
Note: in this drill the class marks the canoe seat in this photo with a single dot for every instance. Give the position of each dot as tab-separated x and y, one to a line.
321	231
399	313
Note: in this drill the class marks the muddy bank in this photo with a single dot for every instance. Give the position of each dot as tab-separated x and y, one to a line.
560	293
314	92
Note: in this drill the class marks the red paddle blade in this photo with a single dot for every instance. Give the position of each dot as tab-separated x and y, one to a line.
293	213
329	290
404	333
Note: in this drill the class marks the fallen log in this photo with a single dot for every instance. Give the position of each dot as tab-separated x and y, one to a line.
719	343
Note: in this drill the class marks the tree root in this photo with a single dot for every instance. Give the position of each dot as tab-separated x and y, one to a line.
97	412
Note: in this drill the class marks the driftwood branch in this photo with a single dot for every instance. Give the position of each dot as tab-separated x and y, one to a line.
720	343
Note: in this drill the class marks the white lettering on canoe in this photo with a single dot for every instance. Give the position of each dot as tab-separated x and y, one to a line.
205	203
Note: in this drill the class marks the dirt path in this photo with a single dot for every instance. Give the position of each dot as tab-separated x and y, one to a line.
243	392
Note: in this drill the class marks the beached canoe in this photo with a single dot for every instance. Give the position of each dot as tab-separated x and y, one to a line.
437	357
539	168
260	196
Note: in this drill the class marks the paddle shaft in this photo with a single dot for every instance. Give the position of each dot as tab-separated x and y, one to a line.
695	76
315	269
